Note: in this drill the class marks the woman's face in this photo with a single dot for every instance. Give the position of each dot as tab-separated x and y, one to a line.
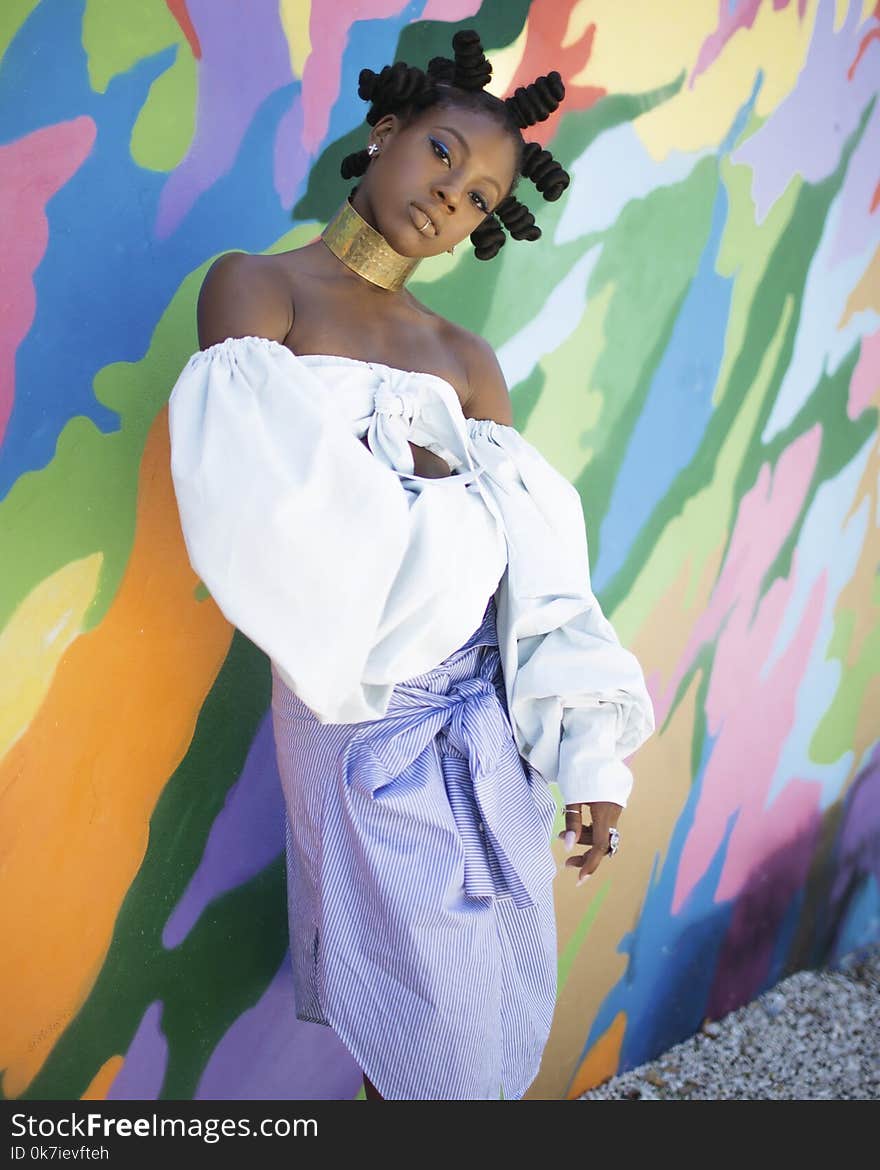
443	174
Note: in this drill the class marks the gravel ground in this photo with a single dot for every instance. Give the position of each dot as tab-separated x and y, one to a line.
814	1036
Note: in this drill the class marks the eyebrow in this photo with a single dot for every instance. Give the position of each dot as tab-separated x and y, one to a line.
467	150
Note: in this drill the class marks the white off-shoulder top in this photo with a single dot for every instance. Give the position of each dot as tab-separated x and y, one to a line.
353	574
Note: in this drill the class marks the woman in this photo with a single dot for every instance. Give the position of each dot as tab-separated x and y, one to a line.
415	763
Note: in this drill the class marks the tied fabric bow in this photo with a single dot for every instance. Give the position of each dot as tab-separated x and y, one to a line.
503	830
397	419
390	426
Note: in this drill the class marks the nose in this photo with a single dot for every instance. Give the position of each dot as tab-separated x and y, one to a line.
448	196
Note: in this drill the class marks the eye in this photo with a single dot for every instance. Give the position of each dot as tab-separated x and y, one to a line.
441	152
438	148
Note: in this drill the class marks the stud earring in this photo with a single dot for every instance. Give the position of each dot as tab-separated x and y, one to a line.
372	149
451	250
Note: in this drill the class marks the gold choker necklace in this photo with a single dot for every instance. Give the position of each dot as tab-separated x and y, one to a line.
366	251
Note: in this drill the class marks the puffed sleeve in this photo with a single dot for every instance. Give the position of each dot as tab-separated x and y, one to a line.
308	543
577	698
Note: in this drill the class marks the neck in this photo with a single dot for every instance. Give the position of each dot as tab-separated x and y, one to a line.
366	251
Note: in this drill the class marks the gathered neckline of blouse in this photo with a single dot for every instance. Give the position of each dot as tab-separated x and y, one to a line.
340	359
319	359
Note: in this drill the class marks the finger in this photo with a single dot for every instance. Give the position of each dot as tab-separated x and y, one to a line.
573	825
584	838
601	838
586	863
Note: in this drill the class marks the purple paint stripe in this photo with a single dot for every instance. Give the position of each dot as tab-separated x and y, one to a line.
245	58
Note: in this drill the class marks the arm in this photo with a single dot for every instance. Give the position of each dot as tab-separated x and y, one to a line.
242	296
488	395
490	399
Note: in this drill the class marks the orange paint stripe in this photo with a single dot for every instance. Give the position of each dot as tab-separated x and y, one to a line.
79	787
602	1060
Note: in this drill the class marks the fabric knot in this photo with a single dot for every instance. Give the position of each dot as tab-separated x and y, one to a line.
394	405
390	427
505	841
472	688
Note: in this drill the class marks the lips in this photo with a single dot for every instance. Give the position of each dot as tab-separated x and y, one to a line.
422	220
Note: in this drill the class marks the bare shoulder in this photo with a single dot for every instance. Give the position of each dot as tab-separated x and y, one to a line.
243	295
488	396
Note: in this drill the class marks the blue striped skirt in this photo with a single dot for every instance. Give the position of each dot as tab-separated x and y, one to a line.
420	882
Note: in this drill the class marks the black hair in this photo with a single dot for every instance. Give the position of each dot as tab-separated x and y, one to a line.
407	91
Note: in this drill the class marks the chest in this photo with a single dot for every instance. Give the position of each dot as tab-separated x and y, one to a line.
329	319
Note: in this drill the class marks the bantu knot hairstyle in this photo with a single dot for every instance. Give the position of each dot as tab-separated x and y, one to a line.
407	91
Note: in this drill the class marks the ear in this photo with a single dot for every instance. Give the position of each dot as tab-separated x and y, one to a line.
388	124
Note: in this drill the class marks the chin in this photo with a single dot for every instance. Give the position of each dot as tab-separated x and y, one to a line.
398	239
401	246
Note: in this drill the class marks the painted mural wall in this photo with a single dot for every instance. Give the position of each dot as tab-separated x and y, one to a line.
695	343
